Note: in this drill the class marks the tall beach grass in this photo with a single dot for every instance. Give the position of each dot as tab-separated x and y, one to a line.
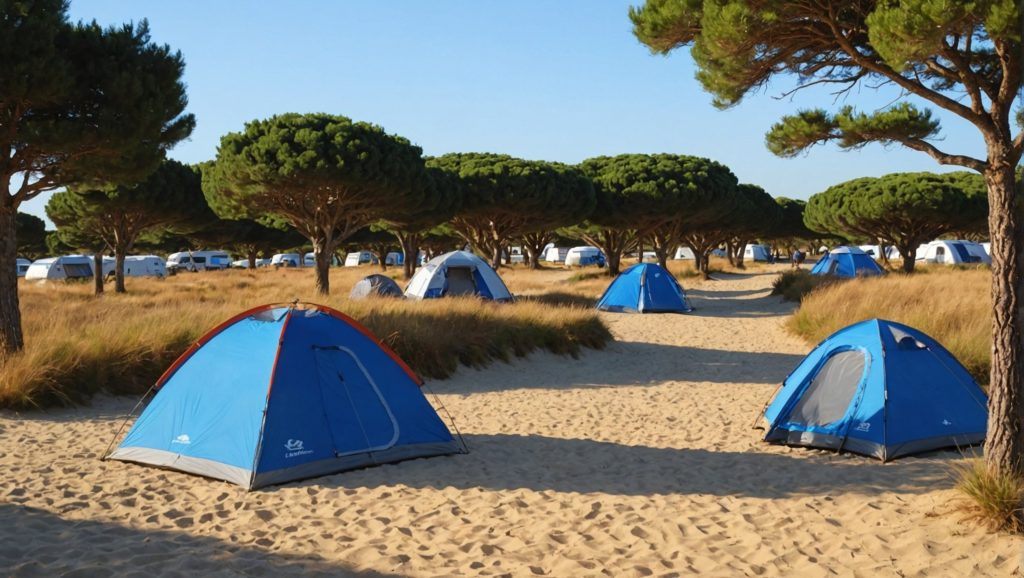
952	305
78	344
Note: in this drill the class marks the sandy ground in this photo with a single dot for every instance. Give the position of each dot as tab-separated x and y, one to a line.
639	460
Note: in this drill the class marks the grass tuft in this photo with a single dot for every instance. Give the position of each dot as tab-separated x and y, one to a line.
795	284
996	501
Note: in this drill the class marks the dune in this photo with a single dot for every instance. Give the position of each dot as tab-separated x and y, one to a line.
638	460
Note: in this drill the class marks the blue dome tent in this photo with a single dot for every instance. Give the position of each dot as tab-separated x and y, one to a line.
847	262
280	393
880	389
645	288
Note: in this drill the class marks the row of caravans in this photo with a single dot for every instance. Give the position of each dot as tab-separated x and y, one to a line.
81	267
940	252
584	256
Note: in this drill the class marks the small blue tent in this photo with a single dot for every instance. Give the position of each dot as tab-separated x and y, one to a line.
645	288
880	389
281	393
847	262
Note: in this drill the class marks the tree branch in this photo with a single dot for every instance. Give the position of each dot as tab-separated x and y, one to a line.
942	157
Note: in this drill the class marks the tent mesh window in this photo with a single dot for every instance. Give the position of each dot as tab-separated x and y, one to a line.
460	281
829	395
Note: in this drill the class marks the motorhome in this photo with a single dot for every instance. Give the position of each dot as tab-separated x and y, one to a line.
21	266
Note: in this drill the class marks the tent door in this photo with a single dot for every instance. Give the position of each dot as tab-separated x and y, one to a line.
827	398
460	281
357	415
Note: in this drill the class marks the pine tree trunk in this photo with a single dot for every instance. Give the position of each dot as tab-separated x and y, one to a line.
119	254
496	256
409	242
322	256
1004	444
614	259
251	256
97	273
11	339
909	255
730	252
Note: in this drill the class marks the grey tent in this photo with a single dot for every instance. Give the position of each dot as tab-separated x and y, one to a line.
378	285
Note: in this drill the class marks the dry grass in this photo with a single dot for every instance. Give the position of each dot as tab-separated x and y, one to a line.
77	344
994	501
951	305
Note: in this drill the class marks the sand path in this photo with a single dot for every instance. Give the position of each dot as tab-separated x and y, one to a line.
638	460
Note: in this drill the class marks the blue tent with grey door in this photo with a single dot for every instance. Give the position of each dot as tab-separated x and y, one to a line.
847	262
645	288
880	389
285	392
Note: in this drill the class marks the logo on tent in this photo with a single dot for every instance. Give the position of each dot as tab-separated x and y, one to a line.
295	449
182	439
946	422
863	426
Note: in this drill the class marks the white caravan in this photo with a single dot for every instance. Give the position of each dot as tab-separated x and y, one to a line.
953	252
684	254
144	266
22	266
584	256
286	260
556	254
360	258
68	267
198	261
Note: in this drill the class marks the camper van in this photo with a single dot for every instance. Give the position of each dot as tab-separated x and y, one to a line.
144	266
309	260
66	268
22	266
198	261
360	258
953	252
286	260
584	256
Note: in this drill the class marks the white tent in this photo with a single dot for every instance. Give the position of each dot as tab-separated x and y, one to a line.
757	253
457	273
66	267
953	252
685	253
583	256
556	254
144	266
22	266
988	248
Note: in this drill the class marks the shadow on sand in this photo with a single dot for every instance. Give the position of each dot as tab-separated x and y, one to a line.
628	363
40	543
538	463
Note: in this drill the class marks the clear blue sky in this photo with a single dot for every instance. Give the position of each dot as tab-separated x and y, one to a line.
556	80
